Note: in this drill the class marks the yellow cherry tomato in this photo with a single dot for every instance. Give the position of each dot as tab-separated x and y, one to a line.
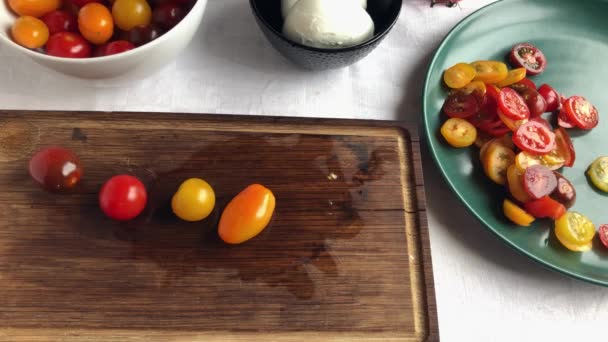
490	71
34	8
194	200
516	214
496	159
598	173
459	132
523	160
459	75
131	13
575	231
513	76
247	215
30	32
515	181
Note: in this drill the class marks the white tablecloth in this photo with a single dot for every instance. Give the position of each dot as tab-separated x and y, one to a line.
485	290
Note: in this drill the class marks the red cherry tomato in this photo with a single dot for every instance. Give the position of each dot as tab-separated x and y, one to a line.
539	181
581	112
603	233
460	105
545	207
564	146
535	102
168	14
512	104
118	46
535	138
526	82
123	197
529	57
60	21
563	120
551	96
56	168
68	45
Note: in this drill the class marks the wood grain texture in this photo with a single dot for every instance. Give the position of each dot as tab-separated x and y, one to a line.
346	257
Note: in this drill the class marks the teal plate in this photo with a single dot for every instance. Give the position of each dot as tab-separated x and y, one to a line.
574	37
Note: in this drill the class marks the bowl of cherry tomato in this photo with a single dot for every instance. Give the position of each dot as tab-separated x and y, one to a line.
100	38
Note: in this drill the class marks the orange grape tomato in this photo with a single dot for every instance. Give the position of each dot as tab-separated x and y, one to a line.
30	32
247	214
34	8
95	23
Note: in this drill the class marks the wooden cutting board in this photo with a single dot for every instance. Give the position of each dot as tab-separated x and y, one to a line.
345	258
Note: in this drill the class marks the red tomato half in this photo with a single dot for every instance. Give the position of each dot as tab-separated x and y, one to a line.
581	112
551	96
545	207
563	120
603	233
512	104
123	197
460	105
535	138
526	82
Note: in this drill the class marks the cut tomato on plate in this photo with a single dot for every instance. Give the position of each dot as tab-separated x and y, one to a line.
459	75
515	182
512	104
460	105
513	76
535	138
496	159
603	233
459	132
528	56
551	96
526	82
516	214
565	192
513	125
490	71
581	112
545	207
564	146
575	231
539	181
563	120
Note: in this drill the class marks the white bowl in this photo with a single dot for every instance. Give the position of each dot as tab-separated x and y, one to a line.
142	60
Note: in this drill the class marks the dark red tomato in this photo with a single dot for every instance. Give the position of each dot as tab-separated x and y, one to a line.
564	146
526	82
118	46
529	57
60	21
141	35
81	3
123	197
492	126
539	181
460	105
535	138
68	45
603	233
99	50
551	96
564	193
512	104
545	207
56	168
493	91
168	14
563	120
581	112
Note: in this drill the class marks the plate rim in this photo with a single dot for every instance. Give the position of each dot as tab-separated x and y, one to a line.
431	144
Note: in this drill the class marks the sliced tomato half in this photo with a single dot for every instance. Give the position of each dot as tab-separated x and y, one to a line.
545	207
512	104
535	138
581	112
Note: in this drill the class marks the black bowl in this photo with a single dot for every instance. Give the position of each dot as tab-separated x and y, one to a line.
268	16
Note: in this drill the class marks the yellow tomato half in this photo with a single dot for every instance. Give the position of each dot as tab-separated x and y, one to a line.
516	214
459	75
459	132
490	71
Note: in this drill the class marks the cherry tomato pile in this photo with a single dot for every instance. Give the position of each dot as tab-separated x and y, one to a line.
500	110
93	28
124	197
